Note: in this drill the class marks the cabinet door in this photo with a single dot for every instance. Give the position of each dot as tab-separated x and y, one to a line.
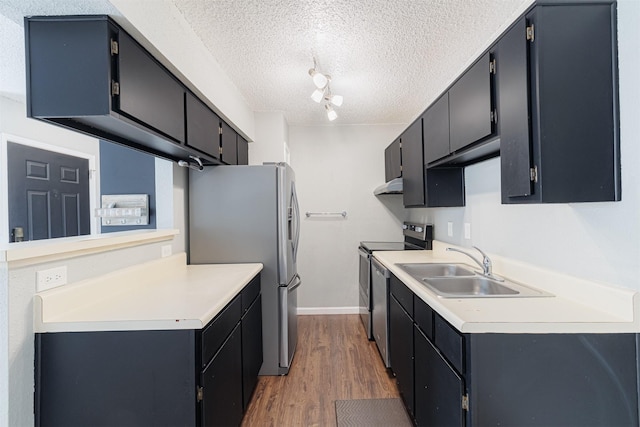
435	122
439	388
222	385
203	127
251	350
513	110
401	351
413	165
229	144
243	151
148	92
470	106
575	103
392	161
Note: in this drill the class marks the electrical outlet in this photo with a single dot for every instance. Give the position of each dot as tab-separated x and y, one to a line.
166	250
47	279
467	230
450	229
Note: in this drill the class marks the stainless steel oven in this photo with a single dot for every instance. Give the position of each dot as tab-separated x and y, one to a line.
364	279
416	236
373	306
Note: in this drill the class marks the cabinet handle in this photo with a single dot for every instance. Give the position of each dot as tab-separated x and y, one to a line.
531	35
115	88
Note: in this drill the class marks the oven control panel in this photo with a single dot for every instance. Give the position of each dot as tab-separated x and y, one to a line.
418	231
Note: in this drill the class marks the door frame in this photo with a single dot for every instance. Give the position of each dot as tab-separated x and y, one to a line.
5	138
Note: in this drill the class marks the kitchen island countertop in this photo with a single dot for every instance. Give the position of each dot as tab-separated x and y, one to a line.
576	305
158	295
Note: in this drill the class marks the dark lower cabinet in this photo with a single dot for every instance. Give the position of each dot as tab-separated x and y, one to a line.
438	387
222	403
401	351
161	378
490	379
251	349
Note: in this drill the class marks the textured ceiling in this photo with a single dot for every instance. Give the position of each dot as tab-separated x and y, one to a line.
389	59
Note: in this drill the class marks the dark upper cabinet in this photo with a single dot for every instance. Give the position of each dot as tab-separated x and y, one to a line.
203	127
436	130
558	108
412	165
87	74
228	145
513	106
444	187
470	106
243	151
147	92
392	161
432	187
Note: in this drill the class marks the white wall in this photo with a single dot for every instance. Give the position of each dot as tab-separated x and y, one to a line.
595	241
337	168
272	136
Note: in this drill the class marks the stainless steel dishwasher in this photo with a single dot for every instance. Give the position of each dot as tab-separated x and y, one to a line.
380	295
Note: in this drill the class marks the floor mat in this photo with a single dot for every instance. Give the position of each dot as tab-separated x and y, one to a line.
371	412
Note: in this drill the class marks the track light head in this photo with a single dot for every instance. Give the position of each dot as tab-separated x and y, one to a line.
331	113
319	79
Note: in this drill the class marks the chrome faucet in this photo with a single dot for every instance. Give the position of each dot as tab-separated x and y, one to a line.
485	264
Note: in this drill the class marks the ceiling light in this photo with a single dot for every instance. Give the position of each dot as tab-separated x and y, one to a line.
319	79
335	100
331	113
317	95
323	91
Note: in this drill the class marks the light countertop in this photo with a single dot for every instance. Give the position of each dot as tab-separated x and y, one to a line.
162	294
576	306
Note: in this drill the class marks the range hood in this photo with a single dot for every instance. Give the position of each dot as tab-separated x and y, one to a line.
392	187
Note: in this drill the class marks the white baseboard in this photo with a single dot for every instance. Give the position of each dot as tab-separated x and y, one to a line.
305	311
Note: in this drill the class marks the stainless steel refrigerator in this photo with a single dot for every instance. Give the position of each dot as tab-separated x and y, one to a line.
243	214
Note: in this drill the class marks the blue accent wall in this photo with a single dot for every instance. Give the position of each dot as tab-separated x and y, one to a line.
127	171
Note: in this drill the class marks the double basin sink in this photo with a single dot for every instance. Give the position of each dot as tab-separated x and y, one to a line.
460	281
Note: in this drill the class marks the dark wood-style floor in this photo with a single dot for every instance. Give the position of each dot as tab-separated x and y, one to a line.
333	361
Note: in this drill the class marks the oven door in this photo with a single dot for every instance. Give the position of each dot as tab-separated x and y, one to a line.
365	291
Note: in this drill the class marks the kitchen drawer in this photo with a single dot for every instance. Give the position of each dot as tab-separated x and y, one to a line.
423	316
250	292
449	342
219	329
402	294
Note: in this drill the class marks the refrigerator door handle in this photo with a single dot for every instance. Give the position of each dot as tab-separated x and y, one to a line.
294	283
296	218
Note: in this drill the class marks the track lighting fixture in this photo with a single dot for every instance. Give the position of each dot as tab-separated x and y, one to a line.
323	91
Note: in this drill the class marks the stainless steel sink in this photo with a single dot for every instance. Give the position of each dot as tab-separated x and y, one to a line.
458	281
421	270
468	286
